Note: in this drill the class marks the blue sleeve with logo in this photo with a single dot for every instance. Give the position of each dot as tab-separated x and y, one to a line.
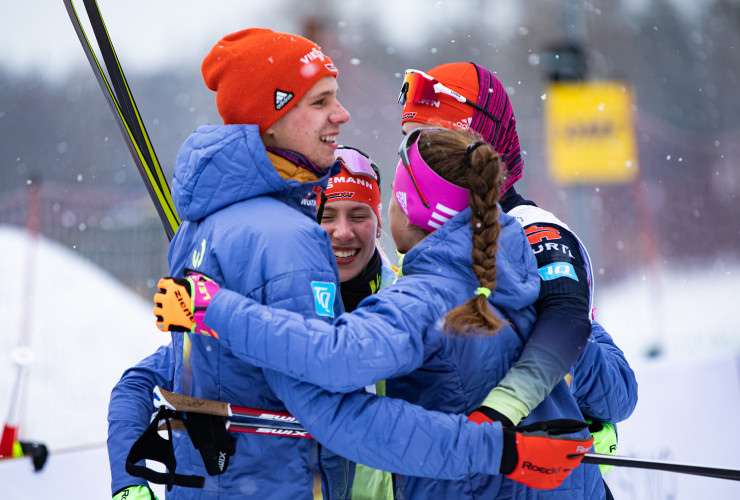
344	356
563	324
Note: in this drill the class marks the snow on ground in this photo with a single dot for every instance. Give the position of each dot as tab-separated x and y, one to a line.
85	329
687	314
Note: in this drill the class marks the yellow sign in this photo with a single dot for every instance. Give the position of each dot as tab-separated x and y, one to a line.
589	132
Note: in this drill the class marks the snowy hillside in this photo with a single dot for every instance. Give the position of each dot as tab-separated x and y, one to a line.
686	314
85	330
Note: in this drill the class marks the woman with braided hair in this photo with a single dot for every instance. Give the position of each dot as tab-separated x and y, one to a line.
480	173
441	336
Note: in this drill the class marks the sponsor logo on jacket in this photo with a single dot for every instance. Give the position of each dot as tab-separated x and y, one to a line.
553	247
324	294
199	254
558	270
536	234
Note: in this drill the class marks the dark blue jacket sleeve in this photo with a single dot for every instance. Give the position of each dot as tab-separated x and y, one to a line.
130	410
603	383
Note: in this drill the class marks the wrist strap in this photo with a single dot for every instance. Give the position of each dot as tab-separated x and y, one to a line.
152	446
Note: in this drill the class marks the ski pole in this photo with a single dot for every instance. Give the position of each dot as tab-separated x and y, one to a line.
641	463
270	429
182	403
285	421
22	357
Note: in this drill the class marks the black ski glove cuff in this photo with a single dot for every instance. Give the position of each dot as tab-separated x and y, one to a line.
496	416
509	455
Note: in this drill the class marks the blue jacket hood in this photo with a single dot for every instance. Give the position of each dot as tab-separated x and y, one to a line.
450	247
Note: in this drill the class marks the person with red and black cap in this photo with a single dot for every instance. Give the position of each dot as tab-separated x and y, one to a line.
350	213
467	96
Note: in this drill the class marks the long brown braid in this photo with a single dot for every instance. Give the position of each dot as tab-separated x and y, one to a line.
465	160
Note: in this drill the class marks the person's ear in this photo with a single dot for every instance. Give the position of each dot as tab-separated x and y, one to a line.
377	233
268	135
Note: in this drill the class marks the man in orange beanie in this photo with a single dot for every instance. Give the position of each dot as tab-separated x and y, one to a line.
259	76
246	192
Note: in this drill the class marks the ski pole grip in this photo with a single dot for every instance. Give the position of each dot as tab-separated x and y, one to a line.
172	401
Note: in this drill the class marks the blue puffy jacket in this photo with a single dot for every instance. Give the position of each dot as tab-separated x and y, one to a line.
256	232
396	335
602	381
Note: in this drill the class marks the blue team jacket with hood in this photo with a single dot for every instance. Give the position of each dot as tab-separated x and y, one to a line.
249	228
396	335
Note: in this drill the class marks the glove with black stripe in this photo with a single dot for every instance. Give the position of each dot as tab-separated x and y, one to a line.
541	455
181	303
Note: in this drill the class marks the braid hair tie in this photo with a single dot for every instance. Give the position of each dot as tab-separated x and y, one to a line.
472	147
483	291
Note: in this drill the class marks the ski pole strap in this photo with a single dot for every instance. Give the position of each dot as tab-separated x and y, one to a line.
210	437
152	446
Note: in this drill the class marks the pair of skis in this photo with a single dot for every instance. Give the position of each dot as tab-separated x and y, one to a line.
121	101
284	424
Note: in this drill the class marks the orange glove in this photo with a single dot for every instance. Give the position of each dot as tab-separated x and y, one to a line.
181	303
539	456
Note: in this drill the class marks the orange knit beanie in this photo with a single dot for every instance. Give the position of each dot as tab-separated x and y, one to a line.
259	74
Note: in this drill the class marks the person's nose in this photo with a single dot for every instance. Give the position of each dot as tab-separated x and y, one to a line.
339	115
342	230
